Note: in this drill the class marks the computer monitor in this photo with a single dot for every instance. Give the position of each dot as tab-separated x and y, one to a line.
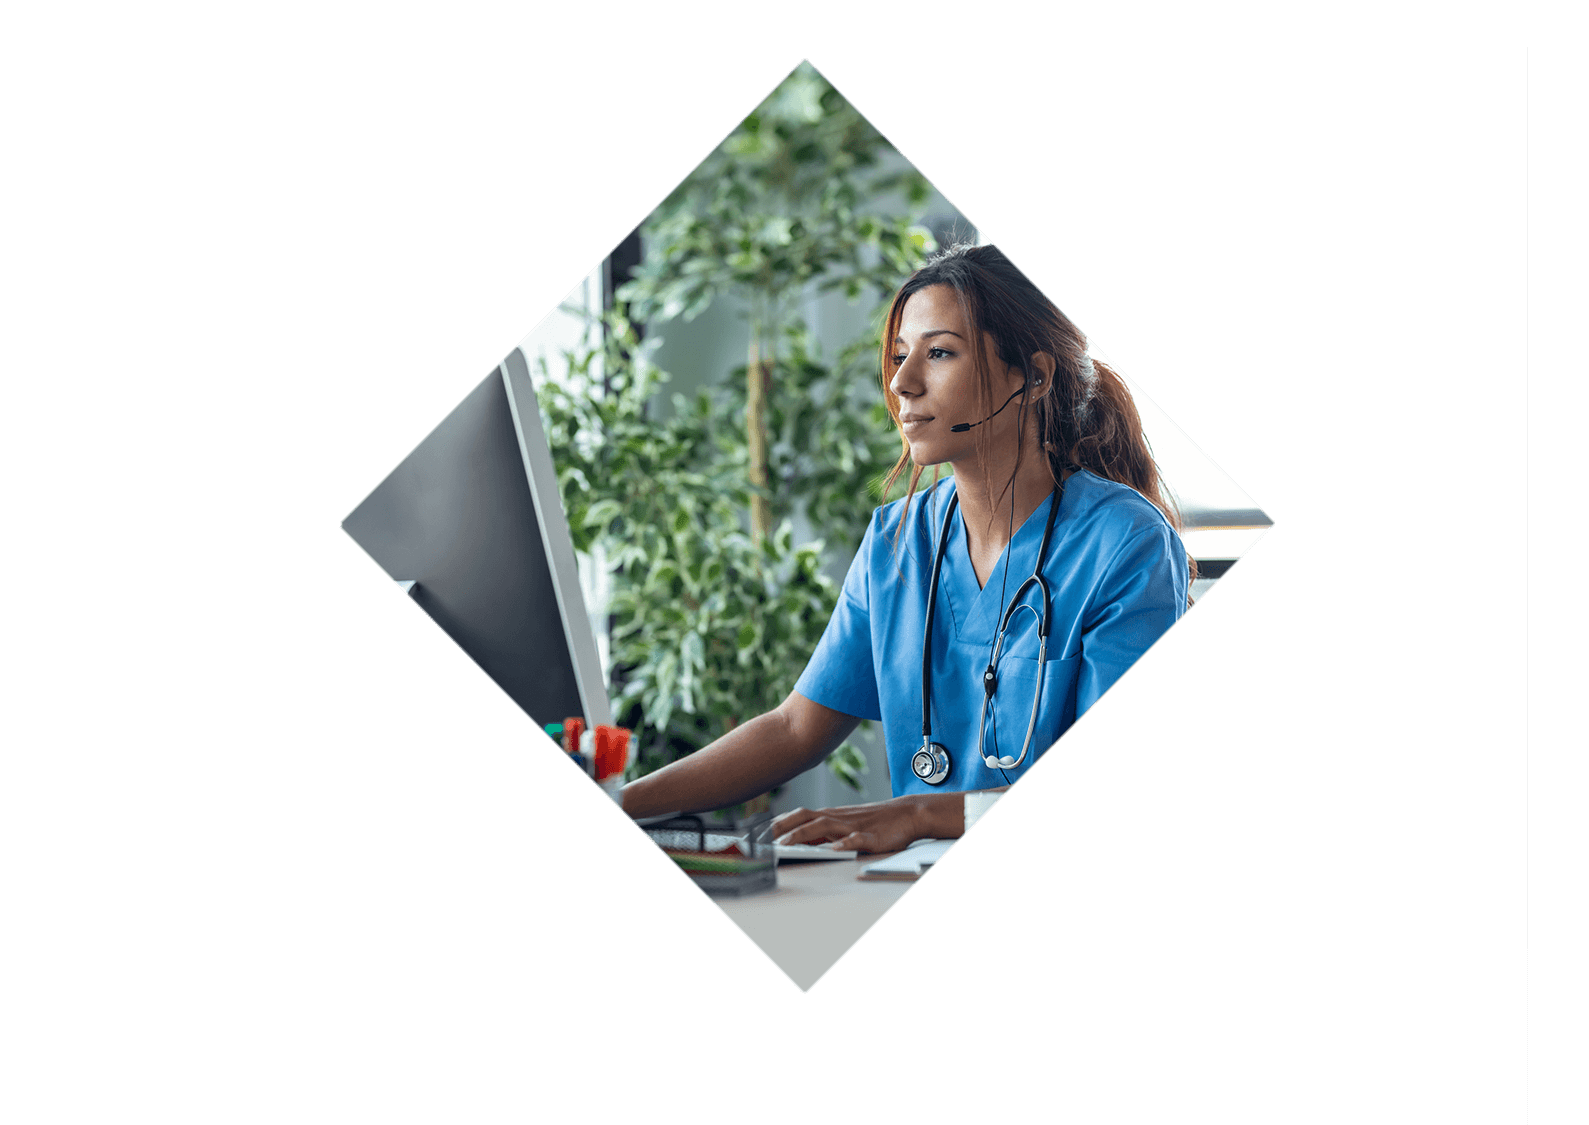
472	525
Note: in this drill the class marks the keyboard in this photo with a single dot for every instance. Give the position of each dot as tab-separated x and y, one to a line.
801	852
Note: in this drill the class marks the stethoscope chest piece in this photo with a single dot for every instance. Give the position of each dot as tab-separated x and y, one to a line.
931	763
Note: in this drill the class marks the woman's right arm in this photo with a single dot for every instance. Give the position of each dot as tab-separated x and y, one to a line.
746	762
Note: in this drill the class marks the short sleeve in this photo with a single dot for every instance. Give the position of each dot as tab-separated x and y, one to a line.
839	674
1142	594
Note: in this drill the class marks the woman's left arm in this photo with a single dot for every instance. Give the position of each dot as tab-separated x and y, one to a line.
882	826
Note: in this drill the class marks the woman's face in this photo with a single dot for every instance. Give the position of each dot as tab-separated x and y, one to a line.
936	380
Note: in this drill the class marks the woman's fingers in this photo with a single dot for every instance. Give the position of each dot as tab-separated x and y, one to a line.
790	820
883	827
817	831
843	834
856	842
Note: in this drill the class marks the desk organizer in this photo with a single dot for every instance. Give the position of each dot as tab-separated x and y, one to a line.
736	858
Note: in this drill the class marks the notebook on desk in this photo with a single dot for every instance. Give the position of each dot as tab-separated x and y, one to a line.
909	864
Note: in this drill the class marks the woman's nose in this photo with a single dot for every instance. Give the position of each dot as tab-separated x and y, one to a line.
904	383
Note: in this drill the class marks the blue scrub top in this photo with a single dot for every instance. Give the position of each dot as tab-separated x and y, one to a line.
1117	579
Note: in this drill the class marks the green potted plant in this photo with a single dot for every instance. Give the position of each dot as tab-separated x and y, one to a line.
715	609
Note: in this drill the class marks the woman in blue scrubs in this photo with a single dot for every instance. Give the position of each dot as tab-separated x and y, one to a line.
1052	477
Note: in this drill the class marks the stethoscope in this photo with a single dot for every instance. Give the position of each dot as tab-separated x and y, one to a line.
931	763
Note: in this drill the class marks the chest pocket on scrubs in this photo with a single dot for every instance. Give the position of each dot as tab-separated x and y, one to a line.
1011	710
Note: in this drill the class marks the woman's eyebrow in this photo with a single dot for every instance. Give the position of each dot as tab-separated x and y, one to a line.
930	335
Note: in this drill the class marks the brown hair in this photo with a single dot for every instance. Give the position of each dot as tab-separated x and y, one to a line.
1087	420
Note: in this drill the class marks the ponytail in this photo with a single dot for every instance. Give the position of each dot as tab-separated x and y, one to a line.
1108	440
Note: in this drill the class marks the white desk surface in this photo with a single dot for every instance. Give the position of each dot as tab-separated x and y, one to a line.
817	911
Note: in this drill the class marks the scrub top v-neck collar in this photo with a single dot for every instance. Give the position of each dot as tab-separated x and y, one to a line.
974	609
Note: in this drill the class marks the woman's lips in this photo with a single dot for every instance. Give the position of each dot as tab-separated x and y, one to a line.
910	425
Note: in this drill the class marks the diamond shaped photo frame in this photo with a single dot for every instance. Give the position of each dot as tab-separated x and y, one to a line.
708	533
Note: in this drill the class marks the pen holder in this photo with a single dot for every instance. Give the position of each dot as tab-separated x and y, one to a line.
734	859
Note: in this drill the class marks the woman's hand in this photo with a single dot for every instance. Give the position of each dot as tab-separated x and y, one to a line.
885	826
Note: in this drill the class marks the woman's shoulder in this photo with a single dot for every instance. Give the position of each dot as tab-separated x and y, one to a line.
1112	507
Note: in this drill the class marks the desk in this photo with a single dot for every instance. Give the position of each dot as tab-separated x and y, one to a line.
817	911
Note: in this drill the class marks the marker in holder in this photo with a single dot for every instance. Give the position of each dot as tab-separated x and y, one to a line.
573	736
601	752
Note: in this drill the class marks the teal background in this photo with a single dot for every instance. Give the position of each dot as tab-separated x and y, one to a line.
275	850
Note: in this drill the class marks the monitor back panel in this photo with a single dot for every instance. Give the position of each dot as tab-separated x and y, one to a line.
457	518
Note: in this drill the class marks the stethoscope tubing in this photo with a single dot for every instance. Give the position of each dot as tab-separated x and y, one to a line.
932	599
1007	763
1043	620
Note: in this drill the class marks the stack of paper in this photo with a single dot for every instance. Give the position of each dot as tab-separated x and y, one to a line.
908	864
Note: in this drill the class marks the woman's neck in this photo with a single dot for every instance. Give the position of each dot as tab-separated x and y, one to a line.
987	497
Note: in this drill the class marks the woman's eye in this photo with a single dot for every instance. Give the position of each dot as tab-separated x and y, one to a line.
932	353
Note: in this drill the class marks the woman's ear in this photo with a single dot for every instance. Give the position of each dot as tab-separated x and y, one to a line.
1041	373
